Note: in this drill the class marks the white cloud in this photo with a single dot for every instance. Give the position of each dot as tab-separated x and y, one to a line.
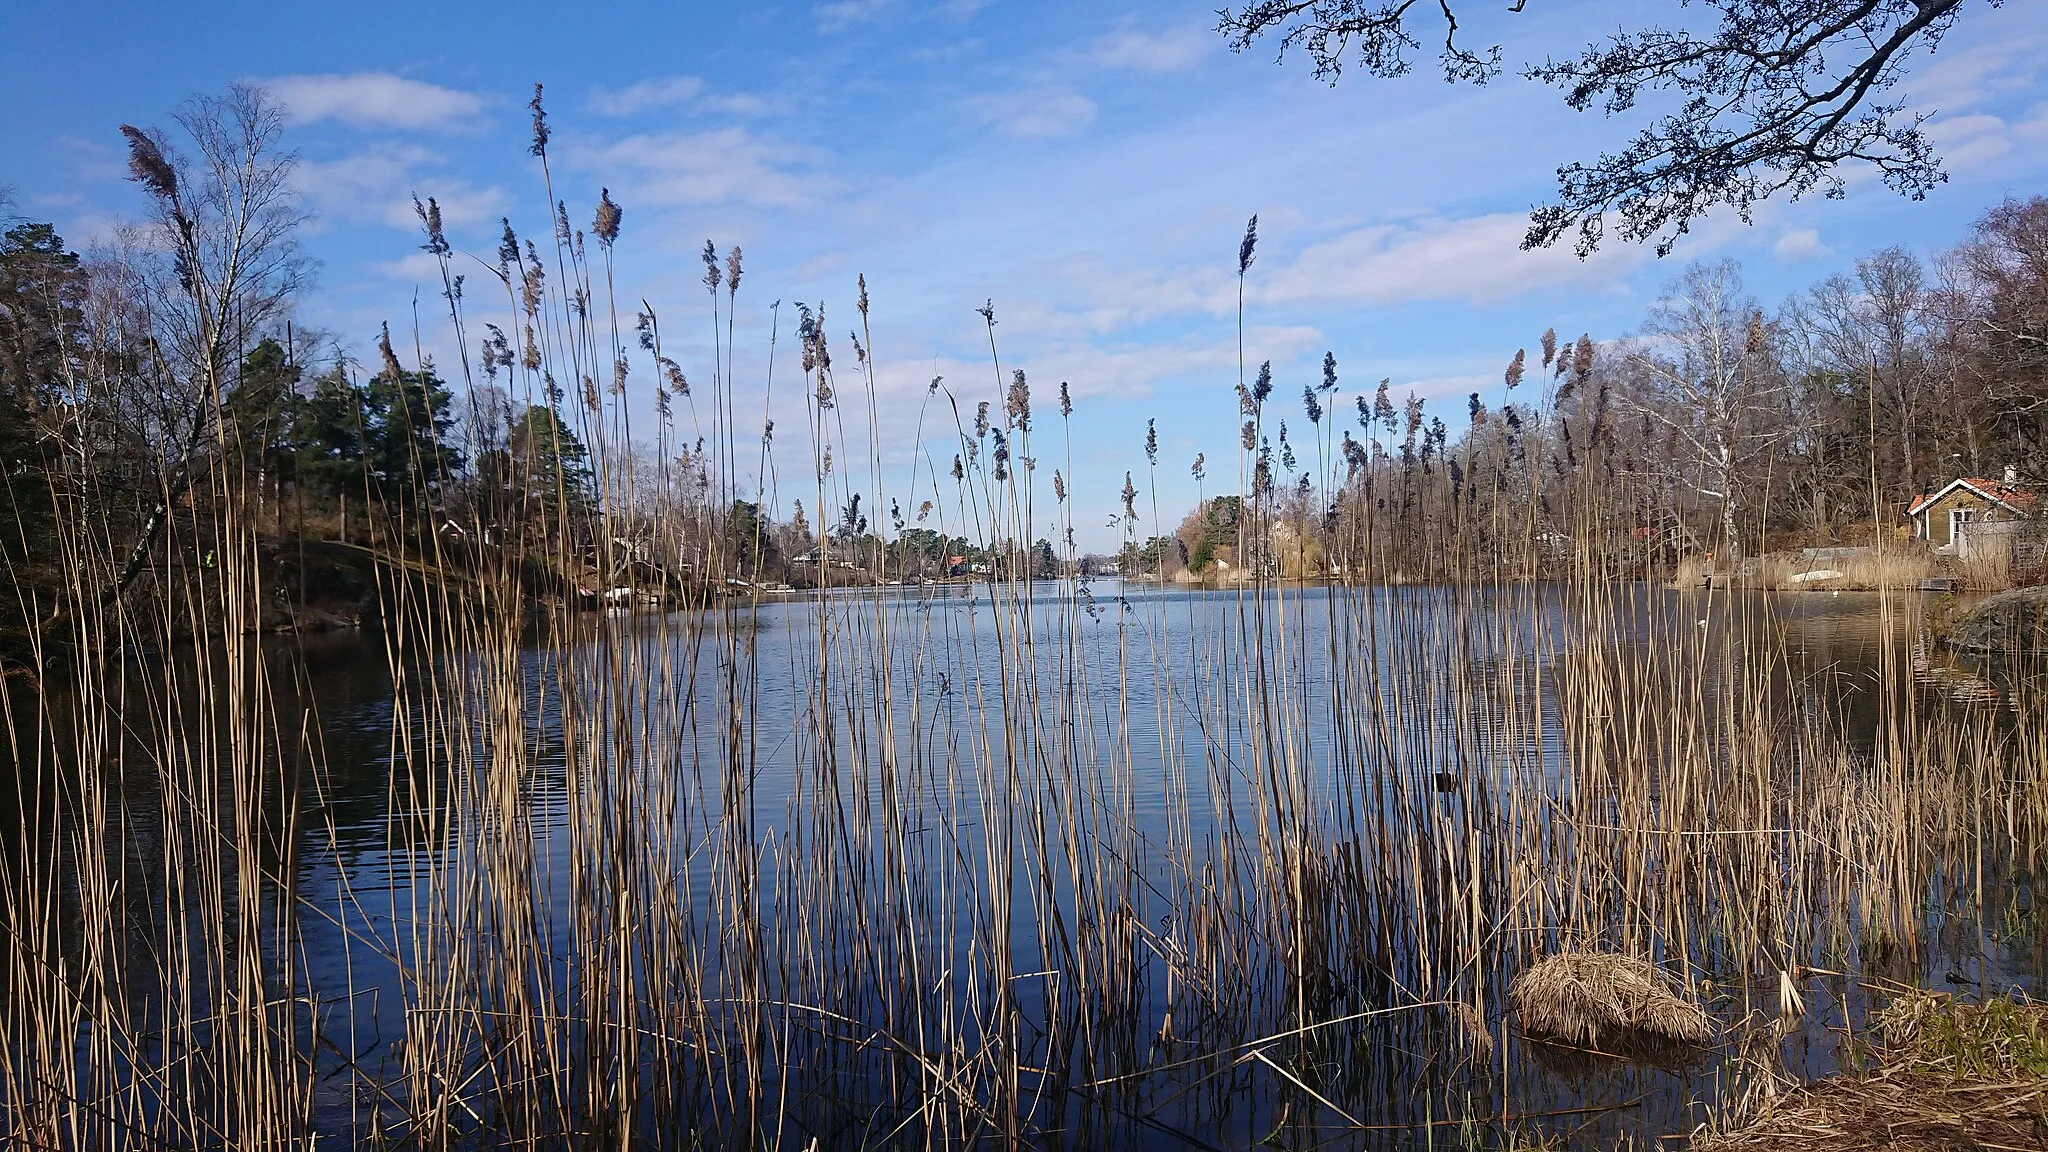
1128	294
91	160
1432	387
817	268
414	268
659	92
1036	113
1799	244
1969	142
843	13
375	99
1091	368
1169	51
1957	80
1476	259
89	229
743	104
729	165
1137	369
837	15
378	184
686	92
1971	93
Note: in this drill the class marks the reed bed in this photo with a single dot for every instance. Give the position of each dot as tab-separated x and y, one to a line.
1033	865
1897	569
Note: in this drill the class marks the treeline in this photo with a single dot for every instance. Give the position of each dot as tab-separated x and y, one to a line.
158	387
1721	426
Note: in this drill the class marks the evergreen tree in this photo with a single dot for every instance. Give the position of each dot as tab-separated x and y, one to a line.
408	448
750	539
329	435
41	335
1044	564
261	409
543	469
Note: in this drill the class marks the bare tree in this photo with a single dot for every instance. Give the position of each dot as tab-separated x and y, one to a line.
1876	334
1829	431
222	264
1776	98
1709	376
1996	301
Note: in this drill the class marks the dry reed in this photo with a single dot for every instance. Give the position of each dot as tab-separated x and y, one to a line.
1599	1000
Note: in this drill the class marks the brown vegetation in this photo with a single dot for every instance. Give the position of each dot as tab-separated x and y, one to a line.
1940	1075
1603	1001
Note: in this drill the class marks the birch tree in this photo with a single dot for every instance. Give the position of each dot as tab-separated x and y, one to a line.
222	264
1709	377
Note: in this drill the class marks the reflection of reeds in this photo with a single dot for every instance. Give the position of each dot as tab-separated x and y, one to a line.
642	878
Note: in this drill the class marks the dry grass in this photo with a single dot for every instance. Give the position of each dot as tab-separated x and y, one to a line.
1599	1000
1944	1075
1890	568
1990	570
1884	569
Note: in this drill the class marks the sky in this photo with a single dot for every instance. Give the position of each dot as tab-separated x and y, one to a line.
1086	168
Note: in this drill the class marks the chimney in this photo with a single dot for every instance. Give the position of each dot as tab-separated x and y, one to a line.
2012	475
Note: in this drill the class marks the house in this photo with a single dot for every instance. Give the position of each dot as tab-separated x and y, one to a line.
1942	516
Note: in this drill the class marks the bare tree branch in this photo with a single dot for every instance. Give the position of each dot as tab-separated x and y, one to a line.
1776	99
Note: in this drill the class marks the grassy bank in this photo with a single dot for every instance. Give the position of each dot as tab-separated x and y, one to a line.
1897	568
1863	570
1934	1072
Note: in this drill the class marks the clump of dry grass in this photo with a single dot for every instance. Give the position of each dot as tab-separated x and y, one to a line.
1869	571
1598	999
1945	1075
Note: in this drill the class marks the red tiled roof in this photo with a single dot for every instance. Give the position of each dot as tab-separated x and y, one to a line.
2015	498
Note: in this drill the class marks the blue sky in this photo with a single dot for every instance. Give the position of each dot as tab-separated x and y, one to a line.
1089	167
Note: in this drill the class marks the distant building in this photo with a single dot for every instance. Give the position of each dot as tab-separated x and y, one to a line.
1943	517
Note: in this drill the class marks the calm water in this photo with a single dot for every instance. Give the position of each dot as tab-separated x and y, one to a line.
1146	670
